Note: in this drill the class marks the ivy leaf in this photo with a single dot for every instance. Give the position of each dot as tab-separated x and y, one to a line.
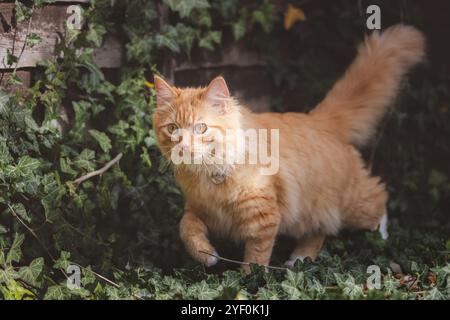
65	165
31	273
3	229
434	294
85	159
33	39
14	80
185	37
184	8
162	41
20	210
293	284
145	157
8	274
22	12
211	38
95	34
238	28
15	253
11	59
205	19
63	260
102	139
265	16
55	293
26	166
88	277
349	287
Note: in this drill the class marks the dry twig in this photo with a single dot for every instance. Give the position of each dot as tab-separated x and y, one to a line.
241	262
99	171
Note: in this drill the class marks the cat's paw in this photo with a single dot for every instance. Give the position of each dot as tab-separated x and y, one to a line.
291	262
212	260
208	257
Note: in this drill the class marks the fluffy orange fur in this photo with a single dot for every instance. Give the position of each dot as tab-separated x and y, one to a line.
322	184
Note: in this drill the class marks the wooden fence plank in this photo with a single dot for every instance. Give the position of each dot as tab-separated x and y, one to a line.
47	22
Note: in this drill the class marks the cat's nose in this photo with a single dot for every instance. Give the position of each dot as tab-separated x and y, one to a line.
184	147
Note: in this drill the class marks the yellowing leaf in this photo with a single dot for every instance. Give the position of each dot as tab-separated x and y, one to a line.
292	15
149	84
240	296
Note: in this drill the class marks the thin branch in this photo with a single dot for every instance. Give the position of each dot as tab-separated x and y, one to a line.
240	262
24	43
98	275
26	38
30	230
105	279
99	171
36	236
53	259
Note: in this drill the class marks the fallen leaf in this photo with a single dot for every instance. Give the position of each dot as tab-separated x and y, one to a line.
292	15
395	267
432	278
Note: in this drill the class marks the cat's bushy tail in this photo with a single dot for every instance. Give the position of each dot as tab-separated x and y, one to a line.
359	99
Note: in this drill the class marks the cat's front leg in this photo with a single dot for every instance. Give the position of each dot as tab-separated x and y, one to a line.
193	233
259	227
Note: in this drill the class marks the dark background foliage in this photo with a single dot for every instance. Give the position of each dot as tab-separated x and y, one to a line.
124	223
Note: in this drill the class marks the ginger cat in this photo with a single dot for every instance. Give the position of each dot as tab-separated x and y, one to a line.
321	185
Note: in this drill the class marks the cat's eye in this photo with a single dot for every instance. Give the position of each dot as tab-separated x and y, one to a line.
171	127
200	128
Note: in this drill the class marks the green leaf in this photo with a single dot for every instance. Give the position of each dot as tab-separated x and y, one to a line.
102	139
145	157
85	160
293	284
11	59
163	41
185	7
26	166
434	294
265	16
63	260
55	293
3	229
31	273
239	29
95	34
210	39
15	253
22	12
88	277
33	39
65	165
7	274
20	210
14	80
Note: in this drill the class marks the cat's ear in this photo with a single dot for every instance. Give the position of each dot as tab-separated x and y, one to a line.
217	93
164	92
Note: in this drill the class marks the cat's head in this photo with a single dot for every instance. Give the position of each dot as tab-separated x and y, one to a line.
193	124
